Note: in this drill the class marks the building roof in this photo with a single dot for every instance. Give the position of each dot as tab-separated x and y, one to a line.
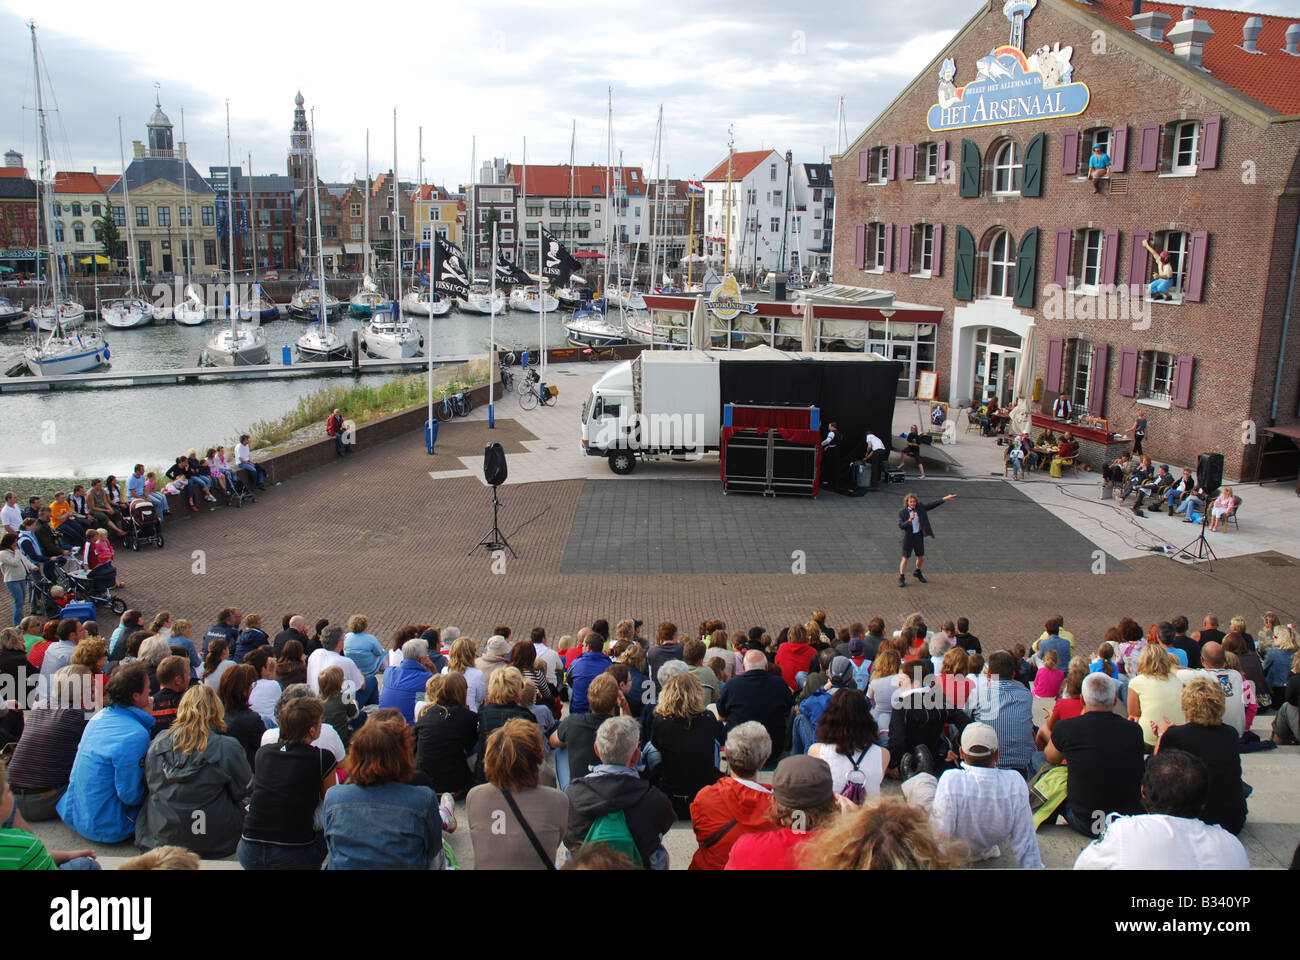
146	170
552	180
17	188
819	174
741	165
75	181
1270	76
430	191
16	173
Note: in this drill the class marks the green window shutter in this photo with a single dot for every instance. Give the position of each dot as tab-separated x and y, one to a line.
970	169
1032	185
963	273
1027	268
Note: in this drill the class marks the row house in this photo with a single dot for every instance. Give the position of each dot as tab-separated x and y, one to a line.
977	200
79	203
18	220
585	207
270	228
756	218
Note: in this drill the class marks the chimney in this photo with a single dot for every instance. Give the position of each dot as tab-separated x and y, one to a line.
1293	39
1188	37
1151	25
1137	7
137	148
1250	31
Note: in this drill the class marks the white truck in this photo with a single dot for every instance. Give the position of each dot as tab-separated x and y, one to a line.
669	403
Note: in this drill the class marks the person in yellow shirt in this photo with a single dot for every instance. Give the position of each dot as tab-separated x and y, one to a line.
1060	632
60	509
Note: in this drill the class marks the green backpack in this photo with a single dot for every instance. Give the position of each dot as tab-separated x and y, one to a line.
611	830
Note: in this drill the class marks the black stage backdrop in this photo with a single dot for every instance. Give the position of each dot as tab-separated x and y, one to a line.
857	396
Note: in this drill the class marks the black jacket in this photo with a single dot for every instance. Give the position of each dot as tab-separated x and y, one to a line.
922	510
284	636
444	736
648	810
918	717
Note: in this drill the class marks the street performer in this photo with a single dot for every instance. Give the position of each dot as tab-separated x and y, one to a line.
914	521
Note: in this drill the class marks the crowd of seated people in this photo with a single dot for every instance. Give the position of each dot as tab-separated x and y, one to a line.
595	761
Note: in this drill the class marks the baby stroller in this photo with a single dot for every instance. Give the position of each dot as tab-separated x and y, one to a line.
143	525
237	493
75	577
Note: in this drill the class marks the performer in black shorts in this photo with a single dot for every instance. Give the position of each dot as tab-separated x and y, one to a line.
914	521
913	450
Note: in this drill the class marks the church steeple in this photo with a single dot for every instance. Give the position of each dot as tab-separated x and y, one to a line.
299	144
160	129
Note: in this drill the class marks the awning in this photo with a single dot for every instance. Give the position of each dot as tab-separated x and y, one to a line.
587	255
98	258
332	251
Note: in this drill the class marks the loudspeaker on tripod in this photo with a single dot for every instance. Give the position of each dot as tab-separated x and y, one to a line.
1209	471
494	464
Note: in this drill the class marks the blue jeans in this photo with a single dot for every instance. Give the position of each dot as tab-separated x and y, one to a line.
1161	285
802	735
18	590
370	694
81	863
270	856
1077	823
259	475
1190	505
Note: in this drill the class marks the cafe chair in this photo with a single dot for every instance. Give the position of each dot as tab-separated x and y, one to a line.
972	419
1231	515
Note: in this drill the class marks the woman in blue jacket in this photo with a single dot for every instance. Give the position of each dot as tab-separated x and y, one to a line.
107	786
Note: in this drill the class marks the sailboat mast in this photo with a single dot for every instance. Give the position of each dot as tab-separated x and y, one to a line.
397	234
473	214
365	226
609	197
44	186
419	176
185	185
573	135
320	245
726	237
230	227
829	197
659	195
126	200
252	223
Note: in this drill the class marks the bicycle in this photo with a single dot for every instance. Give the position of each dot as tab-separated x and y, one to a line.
529	380
600	353
507	377
544	393
453	405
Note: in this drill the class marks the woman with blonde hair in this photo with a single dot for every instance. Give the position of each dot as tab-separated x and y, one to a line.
1155	694
888	835
534	815
954	683
880	691
505	696
1277	662
1206	736
460	659
1264	639
686	736
194	770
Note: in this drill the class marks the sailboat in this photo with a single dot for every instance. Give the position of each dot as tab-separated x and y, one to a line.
320	342
389	335
132	310
11	313
239	344
190	312
590	325
64	351
368	297
259	306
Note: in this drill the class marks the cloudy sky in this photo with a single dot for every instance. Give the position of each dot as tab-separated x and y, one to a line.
497	71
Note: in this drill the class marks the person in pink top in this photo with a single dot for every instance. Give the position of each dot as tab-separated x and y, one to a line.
1047	681
1221	507
97	555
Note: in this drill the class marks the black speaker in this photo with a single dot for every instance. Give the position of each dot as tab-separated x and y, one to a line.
1209	471
494	464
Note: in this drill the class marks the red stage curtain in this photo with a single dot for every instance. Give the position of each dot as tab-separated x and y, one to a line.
766	418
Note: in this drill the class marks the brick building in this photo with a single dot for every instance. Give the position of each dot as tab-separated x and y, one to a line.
18	240
974	198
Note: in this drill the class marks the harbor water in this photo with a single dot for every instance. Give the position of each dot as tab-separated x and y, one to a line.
100	431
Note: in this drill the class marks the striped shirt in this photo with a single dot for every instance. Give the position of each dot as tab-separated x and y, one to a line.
45	753
20	850
1007	707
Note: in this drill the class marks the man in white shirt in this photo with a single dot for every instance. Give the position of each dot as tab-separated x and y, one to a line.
550	661
877	453
1216	668
1169	836
984	806
330	654
10	516
244	459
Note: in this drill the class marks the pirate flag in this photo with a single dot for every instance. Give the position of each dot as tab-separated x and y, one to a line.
450	275
508	274
557	263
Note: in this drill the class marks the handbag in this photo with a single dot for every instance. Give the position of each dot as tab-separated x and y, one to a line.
528	831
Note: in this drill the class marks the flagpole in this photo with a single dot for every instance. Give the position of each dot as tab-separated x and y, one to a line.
541	292
492	331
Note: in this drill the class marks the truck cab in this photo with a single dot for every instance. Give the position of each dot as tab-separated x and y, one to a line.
609	419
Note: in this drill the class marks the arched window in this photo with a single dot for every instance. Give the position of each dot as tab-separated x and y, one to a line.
999	252
79	232
58	231
1008	166
76	208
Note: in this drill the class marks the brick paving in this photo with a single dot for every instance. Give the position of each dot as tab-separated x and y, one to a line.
375	534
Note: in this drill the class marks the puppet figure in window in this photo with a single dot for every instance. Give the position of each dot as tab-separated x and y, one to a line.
1098	167
1164	281
947	89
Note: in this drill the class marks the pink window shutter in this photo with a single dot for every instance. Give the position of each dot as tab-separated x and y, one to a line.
1061	265
1196	269
891	155
909	161
889	246
1070	152
905	248
1210	142
1128	371
859	245
936	270
1183	382
1055	352
1137	261
864	165
1097	398
943	158
1149	147
1119	148
1110	259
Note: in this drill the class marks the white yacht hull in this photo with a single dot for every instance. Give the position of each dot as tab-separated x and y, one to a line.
61	356
315	345
127	314
484	303
189	314
70	315
530	301
242	347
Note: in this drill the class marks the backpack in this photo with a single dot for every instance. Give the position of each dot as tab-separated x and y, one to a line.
611	829
855	785
862	675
